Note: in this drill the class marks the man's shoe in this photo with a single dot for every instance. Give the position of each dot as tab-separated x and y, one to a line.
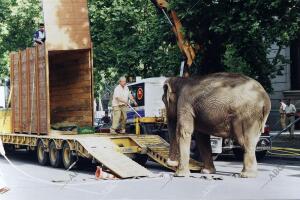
112	131
123	131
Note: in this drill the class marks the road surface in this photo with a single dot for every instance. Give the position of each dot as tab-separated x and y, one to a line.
279	178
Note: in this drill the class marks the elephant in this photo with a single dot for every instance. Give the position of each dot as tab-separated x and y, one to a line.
227	105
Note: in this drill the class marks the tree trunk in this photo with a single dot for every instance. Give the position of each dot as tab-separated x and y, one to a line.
212	58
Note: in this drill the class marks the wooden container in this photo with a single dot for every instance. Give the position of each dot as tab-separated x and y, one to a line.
53	90
53	83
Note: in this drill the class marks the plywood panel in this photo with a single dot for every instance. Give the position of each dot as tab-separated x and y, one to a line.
67	24
103	150
71	87
68	78
29	102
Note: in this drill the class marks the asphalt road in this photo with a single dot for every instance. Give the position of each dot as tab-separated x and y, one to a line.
279	178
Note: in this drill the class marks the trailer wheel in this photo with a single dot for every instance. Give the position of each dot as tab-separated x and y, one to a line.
54	155
9	148
42	155
67	157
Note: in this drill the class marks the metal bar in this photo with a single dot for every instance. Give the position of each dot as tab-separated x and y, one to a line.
134	111
168	18
279	133
182	68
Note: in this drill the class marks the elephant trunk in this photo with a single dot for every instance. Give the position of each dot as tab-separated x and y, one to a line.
173	152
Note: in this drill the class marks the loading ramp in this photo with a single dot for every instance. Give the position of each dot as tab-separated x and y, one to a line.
111	151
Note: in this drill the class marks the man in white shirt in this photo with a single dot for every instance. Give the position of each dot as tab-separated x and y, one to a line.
282	114
119	103
290	111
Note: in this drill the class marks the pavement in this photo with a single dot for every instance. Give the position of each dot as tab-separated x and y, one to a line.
279	178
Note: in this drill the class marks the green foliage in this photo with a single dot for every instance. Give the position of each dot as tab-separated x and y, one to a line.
247	28
131	39
17	25
234	63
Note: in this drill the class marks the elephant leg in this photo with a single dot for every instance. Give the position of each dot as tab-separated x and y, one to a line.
185	128
204	146
248	141
173	153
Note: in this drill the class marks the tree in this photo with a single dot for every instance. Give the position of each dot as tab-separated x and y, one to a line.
242	30
131	39
18	22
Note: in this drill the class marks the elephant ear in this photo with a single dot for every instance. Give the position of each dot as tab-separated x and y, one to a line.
168	92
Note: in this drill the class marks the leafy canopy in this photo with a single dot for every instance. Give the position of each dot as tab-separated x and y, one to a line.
131	38
18	21
236	35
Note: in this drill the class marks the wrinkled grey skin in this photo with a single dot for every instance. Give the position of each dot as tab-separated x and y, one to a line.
226	105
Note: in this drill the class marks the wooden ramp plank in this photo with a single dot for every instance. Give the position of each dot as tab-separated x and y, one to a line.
158	150
104	150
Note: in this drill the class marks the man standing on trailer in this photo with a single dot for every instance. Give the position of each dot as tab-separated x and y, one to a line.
39	36
290	111
120	102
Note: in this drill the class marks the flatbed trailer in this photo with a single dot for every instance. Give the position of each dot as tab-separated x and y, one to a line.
114	152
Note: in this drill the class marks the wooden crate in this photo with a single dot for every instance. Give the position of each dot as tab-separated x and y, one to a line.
29	97
53	90
53	83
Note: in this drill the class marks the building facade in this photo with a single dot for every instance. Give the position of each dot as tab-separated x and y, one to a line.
286	84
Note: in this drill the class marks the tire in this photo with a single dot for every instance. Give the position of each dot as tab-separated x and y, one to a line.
54	155
9	148
42	155
141	159
67	158
239	154
260	155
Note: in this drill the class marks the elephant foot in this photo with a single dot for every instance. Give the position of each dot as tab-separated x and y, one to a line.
182	173
211	170
172	163
248	174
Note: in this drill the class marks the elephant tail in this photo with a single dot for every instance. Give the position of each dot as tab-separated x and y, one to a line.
265	114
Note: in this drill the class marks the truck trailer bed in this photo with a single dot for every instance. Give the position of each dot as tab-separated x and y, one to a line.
114	152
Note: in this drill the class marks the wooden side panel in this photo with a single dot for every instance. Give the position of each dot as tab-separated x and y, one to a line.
29	99
42	92
70	77
15	88
67	24
32	125
23	85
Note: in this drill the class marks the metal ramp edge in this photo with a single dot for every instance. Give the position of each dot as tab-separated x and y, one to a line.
104	151
158	150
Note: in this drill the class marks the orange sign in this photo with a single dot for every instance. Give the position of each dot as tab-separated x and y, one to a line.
140	93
